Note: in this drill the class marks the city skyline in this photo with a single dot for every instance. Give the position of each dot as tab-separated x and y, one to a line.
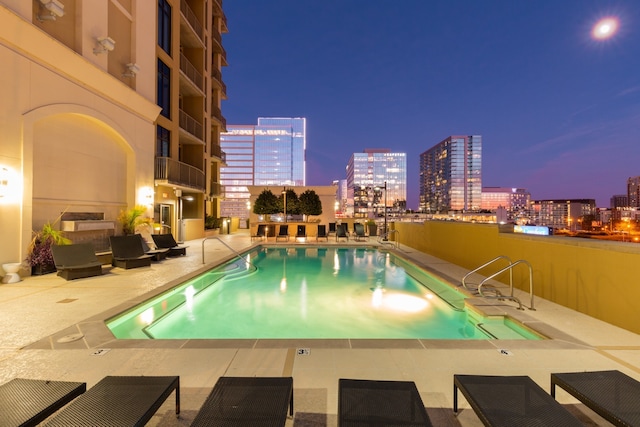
558	110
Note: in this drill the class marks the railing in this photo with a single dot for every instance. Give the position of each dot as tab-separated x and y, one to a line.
191	72
176	172
475	270
216	151
191	18
217	114
229	247
510	267
191	125
383	239
216	189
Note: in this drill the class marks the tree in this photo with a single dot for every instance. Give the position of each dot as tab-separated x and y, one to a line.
266	203
310	203
293	205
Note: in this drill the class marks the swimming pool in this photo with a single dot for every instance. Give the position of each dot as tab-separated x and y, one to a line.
312	292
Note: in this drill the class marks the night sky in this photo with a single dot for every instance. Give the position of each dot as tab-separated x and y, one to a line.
558	110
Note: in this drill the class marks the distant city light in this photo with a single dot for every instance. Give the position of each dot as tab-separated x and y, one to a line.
605	28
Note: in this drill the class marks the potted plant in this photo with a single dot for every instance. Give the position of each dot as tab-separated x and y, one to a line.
373	228
40	257
132	218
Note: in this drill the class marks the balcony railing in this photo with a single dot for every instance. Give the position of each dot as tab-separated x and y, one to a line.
217	114
191	72
216	151
191	18
216	189
191	125
175	172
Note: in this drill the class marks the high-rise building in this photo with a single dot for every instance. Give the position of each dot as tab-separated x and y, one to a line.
633	191
563	213
619	201
269	153
113	104
451	175
367	175
515	201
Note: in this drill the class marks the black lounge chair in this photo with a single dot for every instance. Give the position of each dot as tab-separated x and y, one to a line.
332	228
611	394
119	401
283	233
302	232
158	254
25	402
341	232
380	403
76	261
247	401
261	232
510	401
166	241
322	233
359	232
127	252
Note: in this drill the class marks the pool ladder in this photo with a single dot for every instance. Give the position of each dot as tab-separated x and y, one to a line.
229	247
383	239
496	293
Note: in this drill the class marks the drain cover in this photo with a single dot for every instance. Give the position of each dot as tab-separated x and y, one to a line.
70	338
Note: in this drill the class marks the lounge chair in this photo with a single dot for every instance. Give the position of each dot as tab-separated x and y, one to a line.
322	233
166	241
127	252
76	261
510	401
341	232
158	254
119	401
25	402
247	401
332	228
380	403
302	232
283	233
359	232
611	394
261	232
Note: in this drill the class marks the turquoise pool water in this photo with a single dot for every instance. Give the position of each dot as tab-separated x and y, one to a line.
312	292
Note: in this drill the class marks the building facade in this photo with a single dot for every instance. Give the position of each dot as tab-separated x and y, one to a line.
563	213
633	192
94	123
515	201
451	175
270	153
376	182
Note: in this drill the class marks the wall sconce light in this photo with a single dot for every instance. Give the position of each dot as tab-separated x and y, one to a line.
131	70
4	181
50	10
106	44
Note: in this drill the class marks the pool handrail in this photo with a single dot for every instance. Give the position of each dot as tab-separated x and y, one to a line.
510	267
499	257
229	247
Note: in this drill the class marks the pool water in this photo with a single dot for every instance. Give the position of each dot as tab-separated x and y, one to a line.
312	292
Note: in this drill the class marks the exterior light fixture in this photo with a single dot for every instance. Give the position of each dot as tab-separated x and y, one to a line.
4	181
105	45
50	10
131	70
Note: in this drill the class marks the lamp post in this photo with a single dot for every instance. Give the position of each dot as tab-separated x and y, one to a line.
386	237
284	193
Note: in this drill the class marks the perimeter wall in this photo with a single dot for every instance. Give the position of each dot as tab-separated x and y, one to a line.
596	278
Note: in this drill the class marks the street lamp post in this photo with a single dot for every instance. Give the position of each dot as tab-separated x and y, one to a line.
386	237
284	193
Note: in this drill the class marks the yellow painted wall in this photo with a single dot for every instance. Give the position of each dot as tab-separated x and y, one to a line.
593	277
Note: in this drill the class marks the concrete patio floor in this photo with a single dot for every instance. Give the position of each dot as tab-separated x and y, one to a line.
40	313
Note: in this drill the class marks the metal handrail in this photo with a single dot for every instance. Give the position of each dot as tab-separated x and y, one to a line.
487	264
383	239
510	267
229	247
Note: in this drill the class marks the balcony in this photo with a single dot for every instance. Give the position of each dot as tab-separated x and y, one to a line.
191	33
216	78
216	189
192	73
173	172
192	127
216	151
216	113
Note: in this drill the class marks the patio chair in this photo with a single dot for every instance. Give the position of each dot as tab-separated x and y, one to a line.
283	233
261	232
322	233
166	241
158	254
25	402
380	403
302	232
611	394
359	232
76	261
119	401
510	401
332	228
341	232
127	252
247	401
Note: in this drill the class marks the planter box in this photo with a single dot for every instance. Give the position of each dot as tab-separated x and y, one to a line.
39	270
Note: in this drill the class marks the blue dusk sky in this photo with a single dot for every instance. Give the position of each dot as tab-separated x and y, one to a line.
558	110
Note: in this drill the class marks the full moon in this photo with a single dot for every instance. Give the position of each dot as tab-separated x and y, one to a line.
605	28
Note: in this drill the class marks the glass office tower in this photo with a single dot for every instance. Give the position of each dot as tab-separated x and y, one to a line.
269	153
451	175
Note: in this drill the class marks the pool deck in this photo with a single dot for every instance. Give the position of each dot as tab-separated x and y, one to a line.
53	329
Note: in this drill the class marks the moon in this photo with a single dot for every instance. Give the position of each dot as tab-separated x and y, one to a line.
605	28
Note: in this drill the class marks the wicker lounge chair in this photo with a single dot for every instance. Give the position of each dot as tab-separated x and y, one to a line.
25	402
611	394
359	232
166	241
127	252
341	232
380	403
119	401
76	261
247	401
322	233
510	401
283	233
158	254
261	232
